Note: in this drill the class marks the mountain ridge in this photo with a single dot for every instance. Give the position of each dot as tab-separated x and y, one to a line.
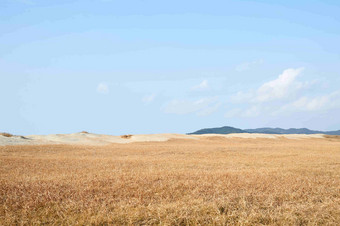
263	130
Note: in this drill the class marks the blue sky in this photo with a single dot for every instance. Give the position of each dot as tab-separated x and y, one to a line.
147	66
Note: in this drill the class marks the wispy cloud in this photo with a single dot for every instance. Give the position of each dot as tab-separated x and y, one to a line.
103	88
316	103
247	65
202	107
253	111
148	98
209	110
200	87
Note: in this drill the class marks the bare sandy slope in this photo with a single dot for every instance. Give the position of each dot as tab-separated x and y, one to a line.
98	139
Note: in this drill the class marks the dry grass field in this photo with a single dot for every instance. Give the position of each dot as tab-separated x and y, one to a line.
212	181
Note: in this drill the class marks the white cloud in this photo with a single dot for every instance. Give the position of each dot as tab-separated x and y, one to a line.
283	87
279	88
280	96
247	65
316	103
181	107
103	88
202	86
149	98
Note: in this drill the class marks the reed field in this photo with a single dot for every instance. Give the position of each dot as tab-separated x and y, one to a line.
210	181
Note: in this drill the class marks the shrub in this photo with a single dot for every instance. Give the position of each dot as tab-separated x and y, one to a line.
126	136
6	134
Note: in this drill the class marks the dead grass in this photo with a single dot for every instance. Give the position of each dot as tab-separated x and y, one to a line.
179	182
332	136
126	136
6	134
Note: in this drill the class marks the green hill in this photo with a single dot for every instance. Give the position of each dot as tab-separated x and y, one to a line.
220	130
265	130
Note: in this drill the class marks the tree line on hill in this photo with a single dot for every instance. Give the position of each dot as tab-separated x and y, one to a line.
265	130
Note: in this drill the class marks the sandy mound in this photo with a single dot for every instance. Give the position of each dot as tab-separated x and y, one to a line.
98	139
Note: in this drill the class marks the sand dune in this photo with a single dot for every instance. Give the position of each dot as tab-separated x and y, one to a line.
99	139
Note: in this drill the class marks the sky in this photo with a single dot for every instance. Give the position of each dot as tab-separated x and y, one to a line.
148	66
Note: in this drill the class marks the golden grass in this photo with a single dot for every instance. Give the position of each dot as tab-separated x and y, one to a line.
214	181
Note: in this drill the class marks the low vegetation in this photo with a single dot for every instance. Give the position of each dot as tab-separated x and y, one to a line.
6	134
214	181
126	136
330	137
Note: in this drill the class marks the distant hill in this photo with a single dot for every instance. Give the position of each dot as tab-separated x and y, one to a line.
337	132
283	131
220	130
265	130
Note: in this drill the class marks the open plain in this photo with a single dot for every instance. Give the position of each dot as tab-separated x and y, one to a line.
204	180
